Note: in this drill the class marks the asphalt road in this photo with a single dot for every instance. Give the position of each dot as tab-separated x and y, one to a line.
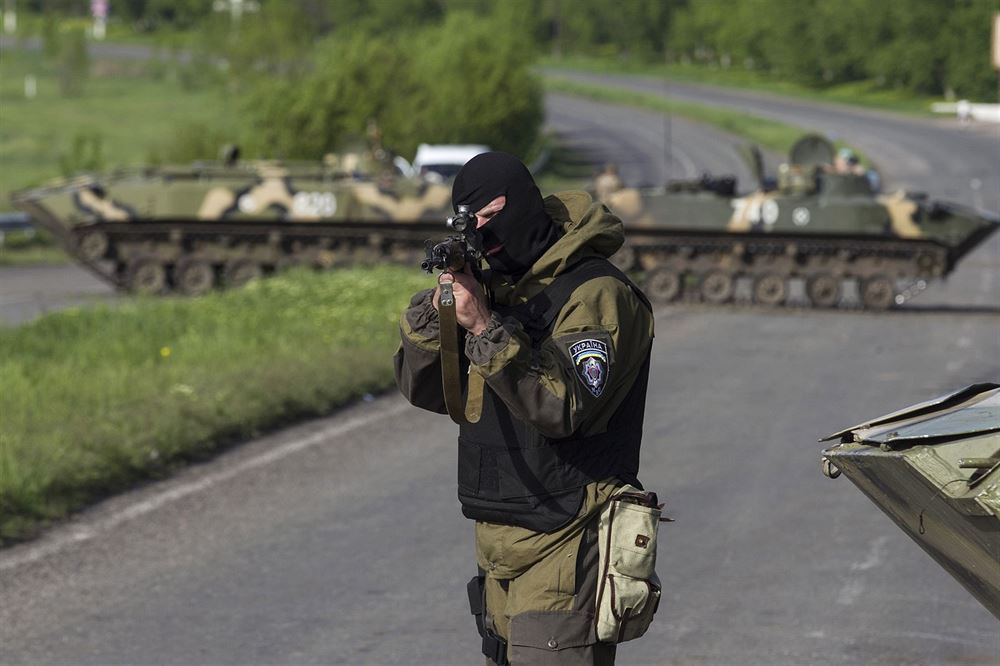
340	541
648	148
27	292
939	156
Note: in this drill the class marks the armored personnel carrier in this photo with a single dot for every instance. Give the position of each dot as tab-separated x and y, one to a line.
223	223
192	228
827	228
934	468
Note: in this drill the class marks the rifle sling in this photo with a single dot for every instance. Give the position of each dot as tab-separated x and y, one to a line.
451	373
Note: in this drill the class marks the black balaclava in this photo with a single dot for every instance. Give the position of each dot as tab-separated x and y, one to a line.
519	234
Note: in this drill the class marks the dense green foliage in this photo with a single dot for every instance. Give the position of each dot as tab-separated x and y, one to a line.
938	47
924	46
95	399
410	85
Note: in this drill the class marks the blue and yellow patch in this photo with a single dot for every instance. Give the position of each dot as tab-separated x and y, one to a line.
590	358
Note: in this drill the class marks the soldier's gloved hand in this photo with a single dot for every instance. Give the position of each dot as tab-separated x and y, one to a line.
471	309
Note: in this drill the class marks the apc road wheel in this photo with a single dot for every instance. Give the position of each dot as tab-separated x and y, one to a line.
147	277
624	259
289	261
769	289
717	287
929	264
194	277
662	285
878	293
238	273
823	291
93	245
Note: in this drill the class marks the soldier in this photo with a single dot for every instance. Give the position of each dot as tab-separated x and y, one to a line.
607	182
847	162
561	345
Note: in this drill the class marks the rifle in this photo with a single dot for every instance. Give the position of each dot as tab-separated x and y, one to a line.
453	254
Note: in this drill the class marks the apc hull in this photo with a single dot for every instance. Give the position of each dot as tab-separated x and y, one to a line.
934	469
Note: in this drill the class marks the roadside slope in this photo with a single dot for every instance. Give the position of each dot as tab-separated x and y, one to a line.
940	157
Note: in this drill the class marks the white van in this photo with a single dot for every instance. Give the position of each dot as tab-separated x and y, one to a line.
442	162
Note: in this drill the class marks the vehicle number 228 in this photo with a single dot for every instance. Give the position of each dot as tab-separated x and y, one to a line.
320	204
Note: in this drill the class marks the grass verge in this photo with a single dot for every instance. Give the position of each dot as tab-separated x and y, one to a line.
31	249
98	399
766	133
128	113
858	93
565	169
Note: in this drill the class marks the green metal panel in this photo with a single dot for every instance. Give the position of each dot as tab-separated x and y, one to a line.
935	471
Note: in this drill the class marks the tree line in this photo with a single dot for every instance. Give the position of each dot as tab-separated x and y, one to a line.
937	47
934	47
314	73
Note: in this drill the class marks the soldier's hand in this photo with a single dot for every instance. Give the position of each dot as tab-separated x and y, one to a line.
471	309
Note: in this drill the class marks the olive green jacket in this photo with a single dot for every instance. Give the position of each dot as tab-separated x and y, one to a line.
541	385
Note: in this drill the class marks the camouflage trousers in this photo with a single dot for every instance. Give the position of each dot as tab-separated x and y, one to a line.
539	591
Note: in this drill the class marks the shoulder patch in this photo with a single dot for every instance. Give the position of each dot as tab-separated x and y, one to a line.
591	361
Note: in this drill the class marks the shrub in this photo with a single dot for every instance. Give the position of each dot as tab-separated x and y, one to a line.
466	80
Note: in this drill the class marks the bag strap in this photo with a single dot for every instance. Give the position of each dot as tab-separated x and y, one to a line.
543	308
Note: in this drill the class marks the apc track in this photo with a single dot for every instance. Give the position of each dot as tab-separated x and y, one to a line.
194	257
705	268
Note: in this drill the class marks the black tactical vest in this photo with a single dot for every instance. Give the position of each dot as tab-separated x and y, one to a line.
508	472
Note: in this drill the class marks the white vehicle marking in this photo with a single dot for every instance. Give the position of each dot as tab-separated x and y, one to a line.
769	212
247	204
800	216
320	204
740	206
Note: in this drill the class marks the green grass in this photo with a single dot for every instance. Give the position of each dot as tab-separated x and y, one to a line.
33	255
95	400
565	169
770	134
132	110
23	249
858	93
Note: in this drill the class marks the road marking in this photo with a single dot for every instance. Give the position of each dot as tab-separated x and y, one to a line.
977	638
687	164
854	587
988	641
85	533
876	553
850	592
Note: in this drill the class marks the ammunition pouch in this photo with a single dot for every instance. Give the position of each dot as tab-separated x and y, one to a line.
628	591
494	647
